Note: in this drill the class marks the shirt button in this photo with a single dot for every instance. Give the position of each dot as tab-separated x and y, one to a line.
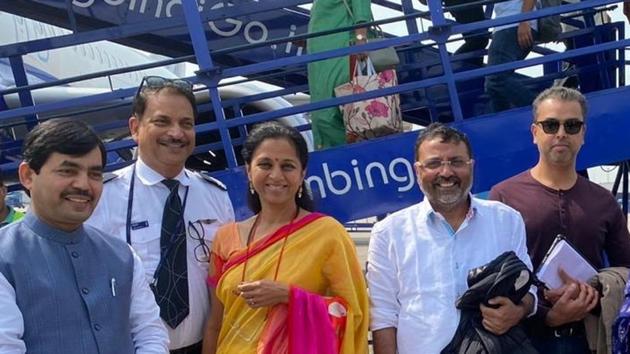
97	327
75	254
85	291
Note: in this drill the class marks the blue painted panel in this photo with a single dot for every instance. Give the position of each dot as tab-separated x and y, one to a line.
370	177
376	177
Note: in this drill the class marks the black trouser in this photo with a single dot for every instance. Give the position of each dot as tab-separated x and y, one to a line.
473	41
191	349
569	339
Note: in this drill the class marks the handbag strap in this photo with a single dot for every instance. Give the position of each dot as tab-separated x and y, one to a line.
371	71
345	2
369	68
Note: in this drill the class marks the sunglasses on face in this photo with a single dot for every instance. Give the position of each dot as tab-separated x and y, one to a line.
156	82
571	126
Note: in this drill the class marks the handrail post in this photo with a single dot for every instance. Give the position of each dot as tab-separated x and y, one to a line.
21	79
440	32
208	75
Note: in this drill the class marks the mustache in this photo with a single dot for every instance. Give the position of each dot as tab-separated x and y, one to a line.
453	179
76	191
168	140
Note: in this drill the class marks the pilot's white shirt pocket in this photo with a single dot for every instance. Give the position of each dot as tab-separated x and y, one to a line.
146	242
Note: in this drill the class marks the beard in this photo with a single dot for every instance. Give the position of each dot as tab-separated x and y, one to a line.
561	159
446	200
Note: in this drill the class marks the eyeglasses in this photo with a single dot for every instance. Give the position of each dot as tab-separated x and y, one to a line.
202	251
571	126
156	82
435	164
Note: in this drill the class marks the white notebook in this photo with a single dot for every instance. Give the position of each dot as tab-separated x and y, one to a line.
563	255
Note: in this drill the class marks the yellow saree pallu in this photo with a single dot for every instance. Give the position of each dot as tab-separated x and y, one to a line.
320	265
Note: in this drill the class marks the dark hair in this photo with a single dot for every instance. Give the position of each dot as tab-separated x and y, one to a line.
61	135
444	132
140	100
276	130
563	94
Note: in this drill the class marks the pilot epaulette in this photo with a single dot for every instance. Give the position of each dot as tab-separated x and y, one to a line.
206	177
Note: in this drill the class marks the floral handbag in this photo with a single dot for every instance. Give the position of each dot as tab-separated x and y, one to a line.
375	117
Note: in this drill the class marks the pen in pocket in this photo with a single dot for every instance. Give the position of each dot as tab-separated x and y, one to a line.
113	286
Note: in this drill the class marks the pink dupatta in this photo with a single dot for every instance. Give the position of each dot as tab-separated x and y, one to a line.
310	324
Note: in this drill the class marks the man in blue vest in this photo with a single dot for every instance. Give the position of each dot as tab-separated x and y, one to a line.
66	287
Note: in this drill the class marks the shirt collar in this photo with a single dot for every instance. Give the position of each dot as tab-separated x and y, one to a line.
427	210
46	231
149	176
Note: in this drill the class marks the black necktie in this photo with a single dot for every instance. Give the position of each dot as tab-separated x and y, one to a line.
171	290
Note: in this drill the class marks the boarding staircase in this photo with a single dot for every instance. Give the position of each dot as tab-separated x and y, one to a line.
264	40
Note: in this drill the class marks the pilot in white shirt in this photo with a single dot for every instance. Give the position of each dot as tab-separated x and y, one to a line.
133	201
207	207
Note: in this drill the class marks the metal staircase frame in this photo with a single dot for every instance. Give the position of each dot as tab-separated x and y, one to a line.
210	75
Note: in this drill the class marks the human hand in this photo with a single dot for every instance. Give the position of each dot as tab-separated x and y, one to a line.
360	38
499	320
552	295
263	293
524	34
577	300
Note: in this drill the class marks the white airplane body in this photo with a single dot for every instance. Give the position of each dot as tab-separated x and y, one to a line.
100	56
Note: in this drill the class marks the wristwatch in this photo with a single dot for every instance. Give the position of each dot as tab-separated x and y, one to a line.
360	37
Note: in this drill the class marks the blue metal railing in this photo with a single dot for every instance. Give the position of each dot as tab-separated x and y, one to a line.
210	75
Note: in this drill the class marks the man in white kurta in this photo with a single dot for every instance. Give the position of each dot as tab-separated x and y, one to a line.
419	257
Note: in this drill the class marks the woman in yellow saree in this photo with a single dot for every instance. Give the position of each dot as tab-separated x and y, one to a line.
286	280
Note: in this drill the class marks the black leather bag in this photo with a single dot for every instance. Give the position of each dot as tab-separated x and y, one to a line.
505	276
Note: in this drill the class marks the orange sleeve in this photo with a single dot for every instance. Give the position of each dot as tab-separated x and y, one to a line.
225	243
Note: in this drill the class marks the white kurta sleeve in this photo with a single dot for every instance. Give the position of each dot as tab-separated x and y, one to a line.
11	321
382	281
147	331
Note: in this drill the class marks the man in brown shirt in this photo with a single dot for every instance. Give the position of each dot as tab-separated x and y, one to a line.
553	199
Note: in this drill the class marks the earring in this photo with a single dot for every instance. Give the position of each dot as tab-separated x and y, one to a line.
251	188
300	192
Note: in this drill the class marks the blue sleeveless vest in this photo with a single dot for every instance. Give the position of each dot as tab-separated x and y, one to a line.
73	289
